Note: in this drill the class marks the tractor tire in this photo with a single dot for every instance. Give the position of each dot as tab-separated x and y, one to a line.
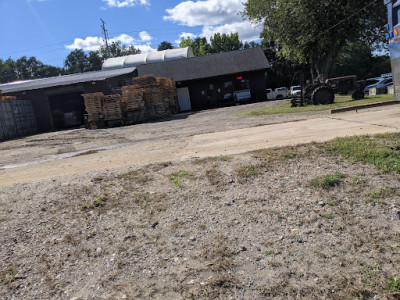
357	95
322	95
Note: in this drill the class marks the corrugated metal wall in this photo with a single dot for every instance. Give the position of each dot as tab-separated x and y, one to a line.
17	119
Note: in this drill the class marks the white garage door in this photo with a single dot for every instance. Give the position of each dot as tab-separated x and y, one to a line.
184	99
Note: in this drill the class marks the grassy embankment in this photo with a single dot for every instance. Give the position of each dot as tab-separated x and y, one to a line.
340	102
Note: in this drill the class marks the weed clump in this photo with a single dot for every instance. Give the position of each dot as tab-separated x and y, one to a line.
328	181
175	178
99	202
393	285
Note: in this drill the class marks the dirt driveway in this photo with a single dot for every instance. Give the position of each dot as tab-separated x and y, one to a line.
184	136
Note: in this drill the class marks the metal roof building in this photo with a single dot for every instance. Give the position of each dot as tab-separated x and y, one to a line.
202	82
51	82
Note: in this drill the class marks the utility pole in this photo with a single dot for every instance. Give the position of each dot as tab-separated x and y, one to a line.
105	33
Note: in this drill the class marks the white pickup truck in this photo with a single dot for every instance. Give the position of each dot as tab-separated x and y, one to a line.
278	94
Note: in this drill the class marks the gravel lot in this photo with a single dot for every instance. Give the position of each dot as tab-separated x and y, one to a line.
68	143
247	226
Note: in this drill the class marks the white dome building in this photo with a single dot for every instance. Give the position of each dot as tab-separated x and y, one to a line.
147	58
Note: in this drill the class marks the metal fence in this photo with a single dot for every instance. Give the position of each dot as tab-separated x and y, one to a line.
17	119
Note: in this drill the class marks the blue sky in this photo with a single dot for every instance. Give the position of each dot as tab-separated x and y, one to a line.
50	29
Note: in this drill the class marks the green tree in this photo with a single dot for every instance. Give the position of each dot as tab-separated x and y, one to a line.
77	62
95	61
315	32
199	45
117	49
165	46
7	70
48	71
225	42
252	44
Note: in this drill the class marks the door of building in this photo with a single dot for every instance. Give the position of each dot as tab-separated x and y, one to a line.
184	99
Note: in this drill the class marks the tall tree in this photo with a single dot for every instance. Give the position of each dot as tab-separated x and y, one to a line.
199	45
314	31
117	49
225	42
77	62
165	46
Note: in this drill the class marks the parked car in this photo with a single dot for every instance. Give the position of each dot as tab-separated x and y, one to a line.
382	83
278	94
295	90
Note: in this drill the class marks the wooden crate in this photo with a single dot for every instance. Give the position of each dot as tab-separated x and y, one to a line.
93	103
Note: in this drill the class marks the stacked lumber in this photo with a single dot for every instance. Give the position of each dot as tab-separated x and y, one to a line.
4	98
112	107
156	102
94	106
145	80
133	97
170	92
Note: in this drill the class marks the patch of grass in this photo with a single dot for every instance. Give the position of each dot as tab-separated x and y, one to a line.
357	180
274	263
176	177
224	158
377	196
327	181
99	202
290	155
214	176
248	171
333	203
393	285
8	276
272	252
328	217
340	102
382	150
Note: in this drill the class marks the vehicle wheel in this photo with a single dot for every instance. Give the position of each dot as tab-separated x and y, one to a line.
358	95
322	95
279	97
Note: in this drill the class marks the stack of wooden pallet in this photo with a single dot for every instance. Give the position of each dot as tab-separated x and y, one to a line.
170	92
156	102
112	107
94	106
145	80
134	104
3	98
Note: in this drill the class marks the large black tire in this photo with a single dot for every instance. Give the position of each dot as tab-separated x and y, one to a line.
322	95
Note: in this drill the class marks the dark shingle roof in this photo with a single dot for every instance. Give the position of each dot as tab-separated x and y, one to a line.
62	80
209	66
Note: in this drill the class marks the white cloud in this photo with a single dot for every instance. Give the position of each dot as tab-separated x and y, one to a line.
145	37
205	13
124	39
145	48
91	43
126	3
214	16
247	32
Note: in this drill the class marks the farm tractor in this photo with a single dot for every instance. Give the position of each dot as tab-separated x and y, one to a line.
324	93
